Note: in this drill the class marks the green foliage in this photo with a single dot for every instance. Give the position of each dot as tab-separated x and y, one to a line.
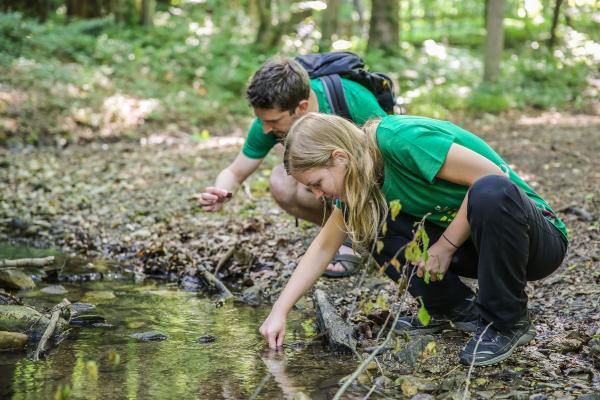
423	314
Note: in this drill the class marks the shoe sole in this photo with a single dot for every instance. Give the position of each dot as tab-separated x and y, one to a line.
466	327
524	339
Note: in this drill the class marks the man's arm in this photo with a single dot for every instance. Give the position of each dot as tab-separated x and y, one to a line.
213	197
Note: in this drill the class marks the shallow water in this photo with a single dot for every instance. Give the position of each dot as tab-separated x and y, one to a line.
107	363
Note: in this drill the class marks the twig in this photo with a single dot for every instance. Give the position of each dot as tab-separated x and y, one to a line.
50	328
464	396
261	384
213	280
370	391
224	260
28	262
365	363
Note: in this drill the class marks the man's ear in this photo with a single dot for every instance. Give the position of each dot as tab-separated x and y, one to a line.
302	107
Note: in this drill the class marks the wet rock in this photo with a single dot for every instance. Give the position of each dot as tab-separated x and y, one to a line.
12	341
206	339
411	352
11	278
251	296
538	396
7	298
591	396
102	325
98	296
565	345
135	324
80	308
16	318
149	336
54	289
87	320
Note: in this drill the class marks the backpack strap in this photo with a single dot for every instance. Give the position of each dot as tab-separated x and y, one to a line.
335	95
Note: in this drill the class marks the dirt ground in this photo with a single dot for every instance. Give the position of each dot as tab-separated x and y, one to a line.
135	203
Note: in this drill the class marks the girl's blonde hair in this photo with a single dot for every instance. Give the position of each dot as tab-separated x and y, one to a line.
310	143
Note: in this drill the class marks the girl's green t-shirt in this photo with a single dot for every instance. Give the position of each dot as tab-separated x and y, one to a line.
414	150
362	105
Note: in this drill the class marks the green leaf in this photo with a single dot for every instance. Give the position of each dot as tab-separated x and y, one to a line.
395	208
423	315
384	228
412	253
439	276
427	277
379	245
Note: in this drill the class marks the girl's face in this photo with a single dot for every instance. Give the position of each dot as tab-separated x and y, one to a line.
326	181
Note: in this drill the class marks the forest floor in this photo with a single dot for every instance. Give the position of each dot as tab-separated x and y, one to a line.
135	203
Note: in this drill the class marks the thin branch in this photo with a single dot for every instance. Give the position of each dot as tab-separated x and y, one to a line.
468	381
41	347
224	260
28	262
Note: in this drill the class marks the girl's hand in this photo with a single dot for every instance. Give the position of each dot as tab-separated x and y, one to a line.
440	256
213	199
273	329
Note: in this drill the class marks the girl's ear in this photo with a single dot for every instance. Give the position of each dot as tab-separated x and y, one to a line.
340	157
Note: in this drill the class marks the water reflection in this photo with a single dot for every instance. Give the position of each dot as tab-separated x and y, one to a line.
107	363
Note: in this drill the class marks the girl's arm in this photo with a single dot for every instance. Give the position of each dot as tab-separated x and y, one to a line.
463	167
310	268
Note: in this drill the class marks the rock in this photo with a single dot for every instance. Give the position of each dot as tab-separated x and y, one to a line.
7	298
538	396
565	345
16	318
87	320
141	233
54	289
422	396
383	382
11	278
591	396
301	396
12	341
102	325
98	296
149	336
206	339
135	324
251	296
412	351
411	385
82	307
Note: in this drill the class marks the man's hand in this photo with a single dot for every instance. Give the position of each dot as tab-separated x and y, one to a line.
440	256
213	198
273	329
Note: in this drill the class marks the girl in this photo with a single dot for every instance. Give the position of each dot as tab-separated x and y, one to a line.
483	220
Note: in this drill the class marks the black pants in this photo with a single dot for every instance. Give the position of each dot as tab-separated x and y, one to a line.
511	243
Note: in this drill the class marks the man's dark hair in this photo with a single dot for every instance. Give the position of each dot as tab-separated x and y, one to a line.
279	83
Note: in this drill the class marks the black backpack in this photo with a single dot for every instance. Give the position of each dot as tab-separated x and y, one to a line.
329	67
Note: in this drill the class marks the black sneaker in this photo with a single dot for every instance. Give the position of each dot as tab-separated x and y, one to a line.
464	318
495	346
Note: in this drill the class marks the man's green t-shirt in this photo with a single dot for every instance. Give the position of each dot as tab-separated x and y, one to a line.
362	105
415	148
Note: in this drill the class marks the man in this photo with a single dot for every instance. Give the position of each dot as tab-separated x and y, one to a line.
280	92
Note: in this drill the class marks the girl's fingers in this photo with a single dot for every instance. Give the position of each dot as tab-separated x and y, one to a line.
280	338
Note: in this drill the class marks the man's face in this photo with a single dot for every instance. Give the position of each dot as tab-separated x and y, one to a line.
279	122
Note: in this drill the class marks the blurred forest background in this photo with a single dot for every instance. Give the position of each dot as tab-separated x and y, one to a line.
79	70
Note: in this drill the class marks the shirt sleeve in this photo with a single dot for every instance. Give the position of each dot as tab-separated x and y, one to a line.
420	149
362	104
258	144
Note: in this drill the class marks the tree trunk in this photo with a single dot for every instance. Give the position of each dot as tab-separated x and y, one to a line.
147	17
384	28
329	24
265	15
555	17
494	40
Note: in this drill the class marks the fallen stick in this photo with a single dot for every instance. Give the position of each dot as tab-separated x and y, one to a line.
338	332
41	347
214	281
28	262
224	259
